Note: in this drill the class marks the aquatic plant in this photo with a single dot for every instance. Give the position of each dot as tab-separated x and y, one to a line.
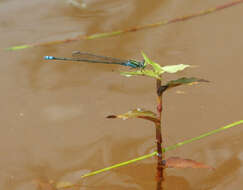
155	71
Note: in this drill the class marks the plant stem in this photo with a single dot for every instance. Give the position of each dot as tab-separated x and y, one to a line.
132	29
160	175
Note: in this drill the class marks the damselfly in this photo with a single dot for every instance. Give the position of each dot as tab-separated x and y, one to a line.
91	58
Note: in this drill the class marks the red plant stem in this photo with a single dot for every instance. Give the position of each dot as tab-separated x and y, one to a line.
160	168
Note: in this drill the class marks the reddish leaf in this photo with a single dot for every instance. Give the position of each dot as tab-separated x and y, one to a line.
178	82
177	162
137	113
184	80
111	116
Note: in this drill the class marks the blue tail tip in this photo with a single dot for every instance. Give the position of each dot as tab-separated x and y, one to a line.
48	57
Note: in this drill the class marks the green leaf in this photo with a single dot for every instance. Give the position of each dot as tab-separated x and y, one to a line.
157	68
102	35
174	68
144	72
18	47
137	113
184	80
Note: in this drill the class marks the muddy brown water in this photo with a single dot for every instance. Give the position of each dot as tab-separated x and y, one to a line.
53	124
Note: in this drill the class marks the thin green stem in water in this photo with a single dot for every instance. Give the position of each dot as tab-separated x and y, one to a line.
237	123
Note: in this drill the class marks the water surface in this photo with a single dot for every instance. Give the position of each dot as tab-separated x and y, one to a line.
53	114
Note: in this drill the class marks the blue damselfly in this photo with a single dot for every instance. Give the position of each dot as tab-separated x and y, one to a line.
92	58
